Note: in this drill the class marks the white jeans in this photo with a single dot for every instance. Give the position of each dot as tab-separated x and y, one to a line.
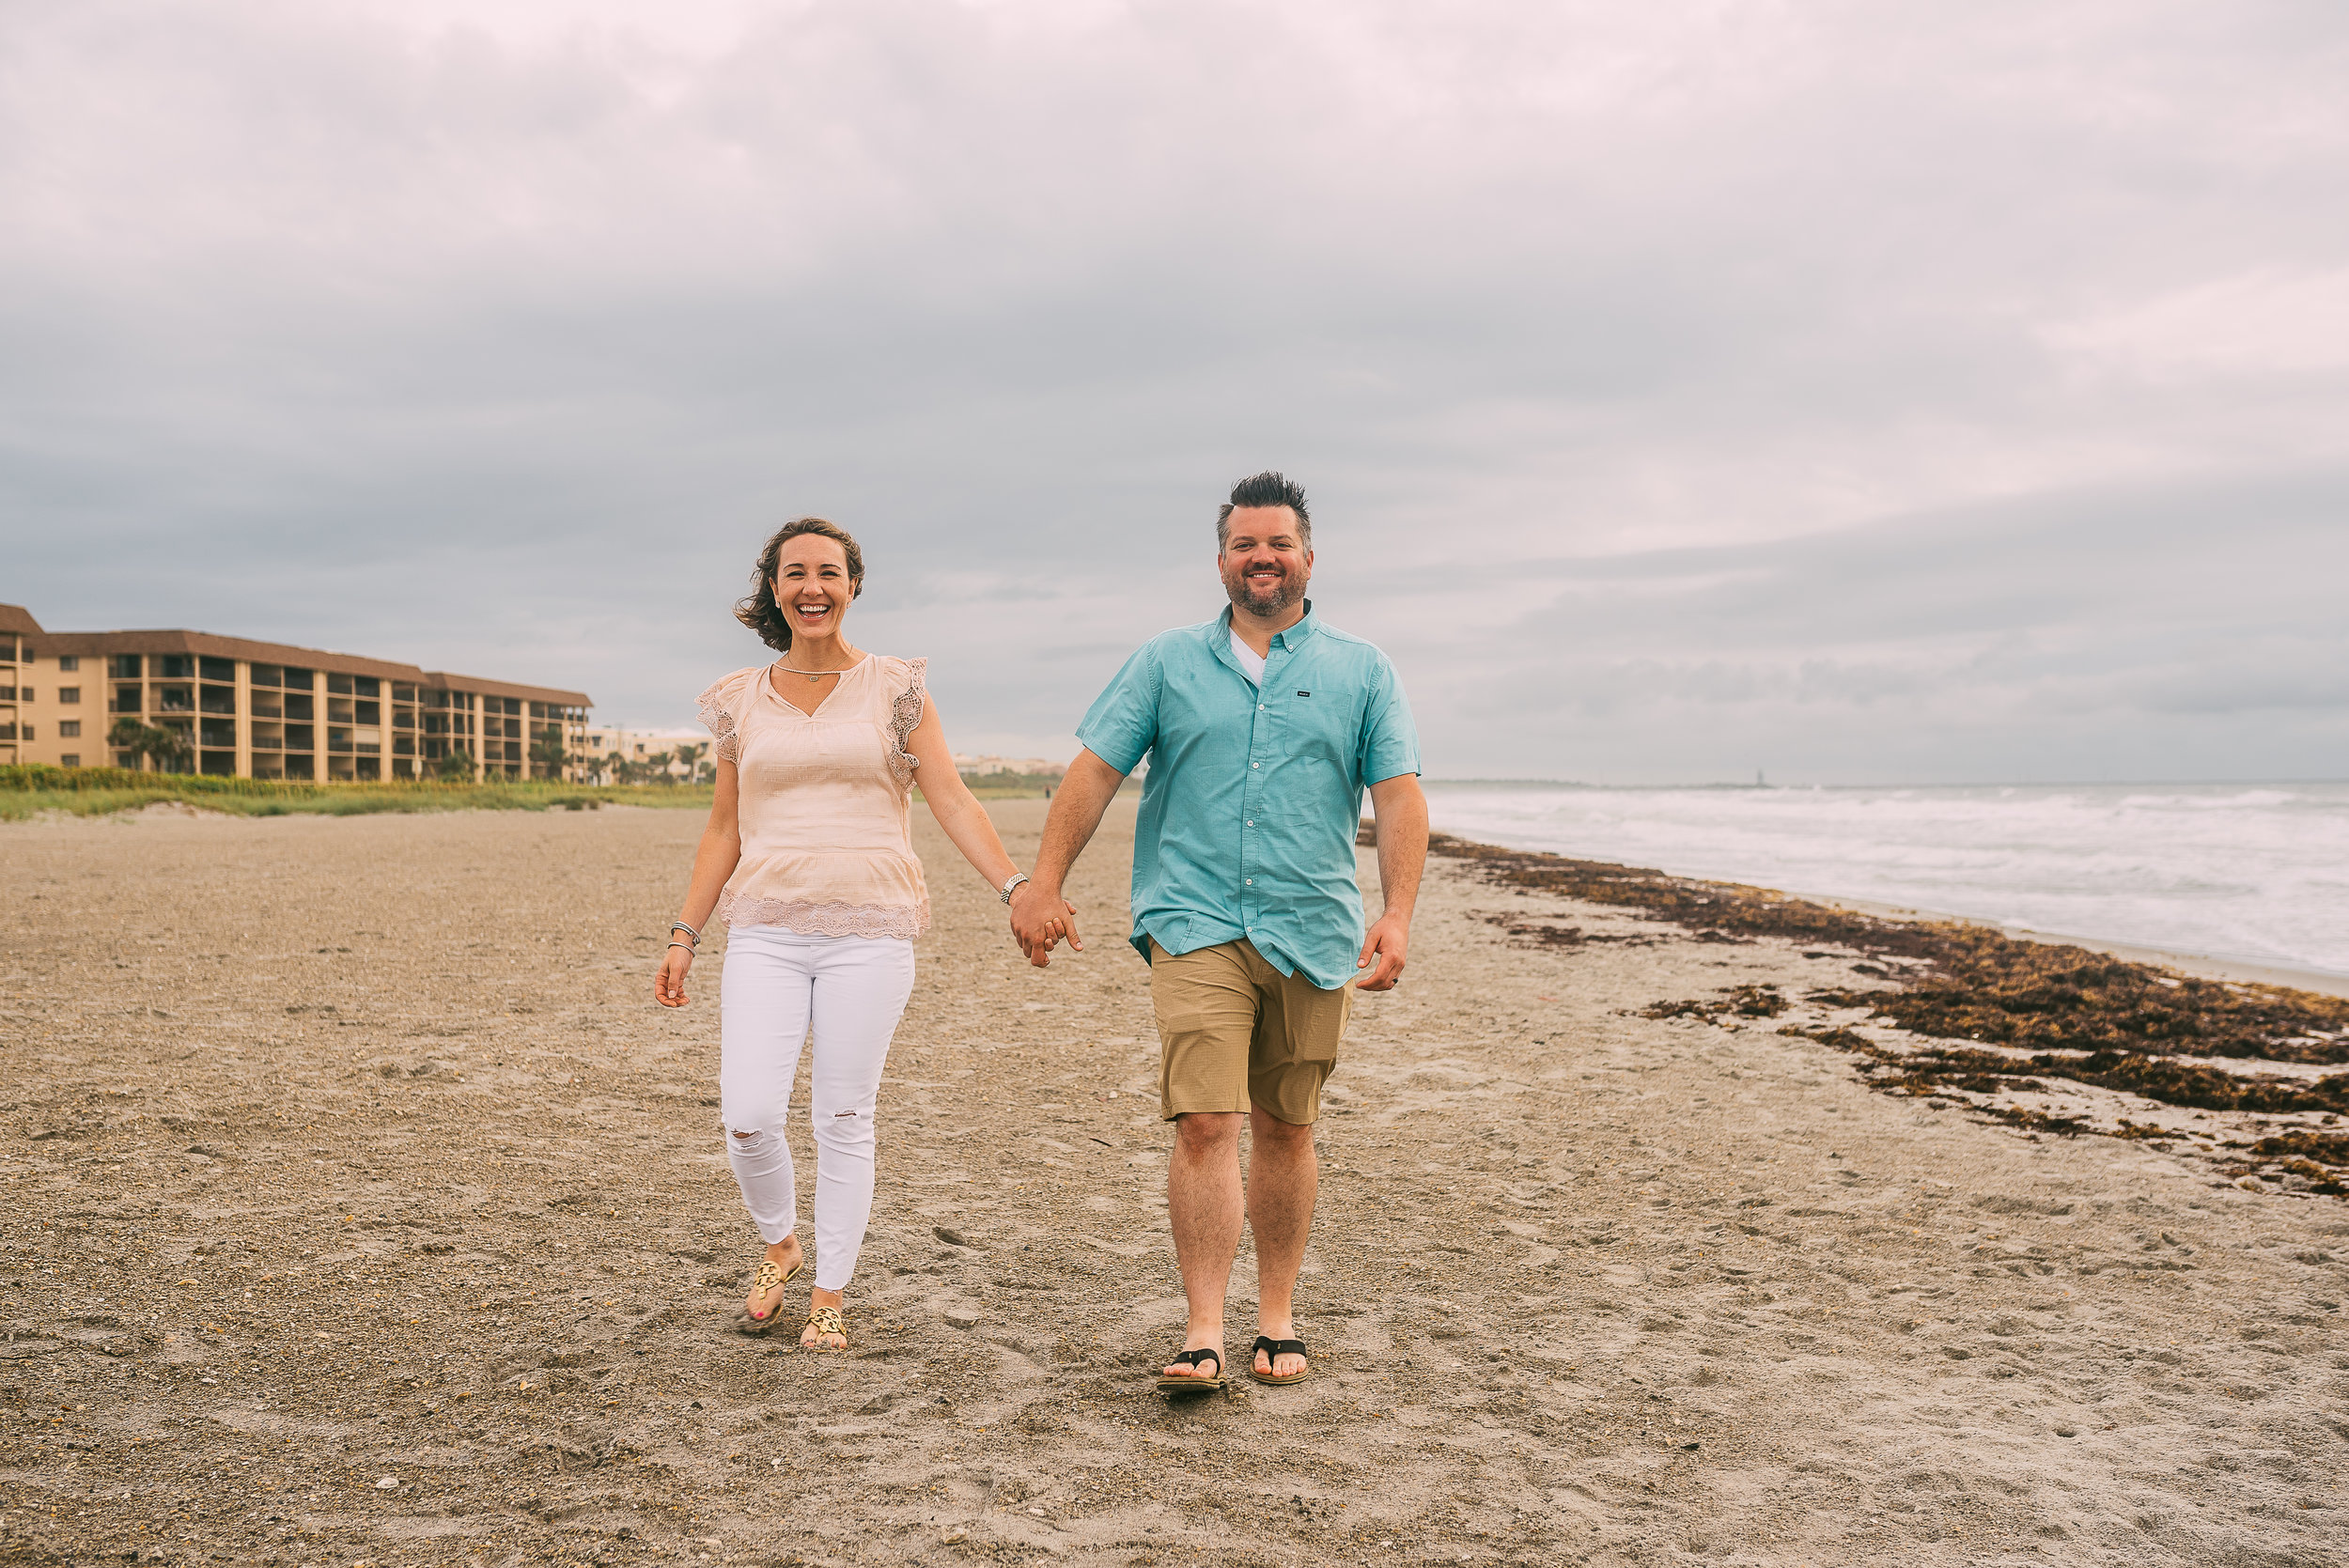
851	990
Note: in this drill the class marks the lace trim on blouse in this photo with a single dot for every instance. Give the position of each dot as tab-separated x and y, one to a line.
811	918
904	715
720	720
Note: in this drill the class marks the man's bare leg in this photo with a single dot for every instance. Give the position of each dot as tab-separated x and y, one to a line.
1284	1177
1202	1204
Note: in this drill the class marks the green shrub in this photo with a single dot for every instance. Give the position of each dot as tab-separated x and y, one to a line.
30	789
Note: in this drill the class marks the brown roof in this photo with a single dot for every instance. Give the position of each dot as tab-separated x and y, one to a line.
16	618
509	689
94	643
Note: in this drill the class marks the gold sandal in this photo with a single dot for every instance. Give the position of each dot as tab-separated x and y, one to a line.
767	1278
826	1320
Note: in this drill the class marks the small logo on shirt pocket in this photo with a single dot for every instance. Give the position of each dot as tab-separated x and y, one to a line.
1304	693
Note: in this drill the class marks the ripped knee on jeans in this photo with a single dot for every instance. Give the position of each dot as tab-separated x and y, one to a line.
746	1138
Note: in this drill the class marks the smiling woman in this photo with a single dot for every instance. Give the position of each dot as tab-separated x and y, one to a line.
806	581
808	857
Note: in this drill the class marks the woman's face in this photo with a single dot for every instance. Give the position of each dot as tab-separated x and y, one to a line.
812	587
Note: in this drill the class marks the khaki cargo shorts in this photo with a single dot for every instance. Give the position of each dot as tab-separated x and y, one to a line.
1235	1032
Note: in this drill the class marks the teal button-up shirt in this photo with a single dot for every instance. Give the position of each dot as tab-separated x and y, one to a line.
1249	808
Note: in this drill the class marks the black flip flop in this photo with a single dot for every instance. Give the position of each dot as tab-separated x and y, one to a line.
1193	1382
1274	1349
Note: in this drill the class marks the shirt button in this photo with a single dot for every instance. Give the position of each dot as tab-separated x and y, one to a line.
1252	765
1252	822
1260	708
1252	881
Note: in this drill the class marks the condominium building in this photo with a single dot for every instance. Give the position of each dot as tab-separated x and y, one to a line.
266	710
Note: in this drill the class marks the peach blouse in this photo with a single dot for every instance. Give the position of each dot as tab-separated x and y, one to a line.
825	803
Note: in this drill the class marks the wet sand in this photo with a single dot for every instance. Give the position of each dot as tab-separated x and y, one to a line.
358	1205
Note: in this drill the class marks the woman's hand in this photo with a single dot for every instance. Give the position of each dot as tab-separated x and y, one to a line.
668	986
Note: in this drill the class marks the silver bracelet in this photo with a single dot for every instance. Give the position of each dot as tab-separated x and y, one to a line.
681	925
1012	886
688	946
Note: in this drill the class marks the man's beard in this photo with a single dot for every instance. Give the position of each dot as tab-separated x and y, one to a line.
1265	603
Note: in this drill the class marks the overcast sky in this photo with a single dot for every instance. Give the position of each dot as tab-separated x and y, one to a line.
1861	392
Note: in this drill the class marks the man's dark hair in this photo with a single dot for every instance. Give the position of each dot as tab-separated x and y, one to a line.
1269	489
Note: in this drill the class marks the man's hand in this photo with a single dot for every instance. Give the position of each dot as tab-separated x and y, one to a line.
1384	941
1040	917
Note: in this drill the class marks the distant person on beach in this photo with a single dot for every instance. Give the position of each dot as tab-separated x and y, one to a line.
1263	726
808	857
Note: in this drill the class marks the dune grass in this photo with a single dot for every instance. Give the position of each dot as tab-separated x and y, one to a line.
30	791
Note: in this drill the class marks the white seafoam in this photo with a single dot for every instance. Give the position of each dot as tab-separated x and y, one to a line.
2257	874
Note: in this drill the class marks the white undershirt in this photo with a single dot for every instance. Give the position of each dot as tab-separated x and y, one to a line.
1250	661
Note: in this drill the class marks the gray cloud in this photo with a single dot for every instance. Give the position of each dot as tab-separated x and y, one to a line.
1859	395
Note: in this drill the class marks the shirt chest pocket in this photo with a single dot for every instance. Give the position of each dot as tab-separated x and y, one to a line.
1314	734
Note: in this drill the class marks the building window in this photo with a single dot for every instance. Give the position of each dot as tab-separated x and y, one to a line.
174	667
69	695
71	759
69	729
125	666
219	669
69	662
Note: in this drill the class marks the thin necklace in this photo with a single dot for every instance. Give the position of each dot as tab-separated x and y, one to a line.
814	675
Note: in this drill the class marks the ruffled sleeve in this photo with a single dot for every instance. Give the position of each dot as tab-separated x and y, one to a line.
720	704
904	715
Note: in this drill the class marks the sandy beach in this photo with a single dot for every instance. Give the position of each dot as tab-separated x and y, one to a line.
360	1206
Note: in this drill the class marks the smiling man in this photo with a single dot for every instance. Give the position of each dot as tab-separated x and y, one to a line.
1263	727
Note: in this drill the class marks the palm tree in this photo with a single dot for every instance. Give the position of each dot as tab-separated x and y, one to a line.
168	749
658	766
547	752
616	768
456	768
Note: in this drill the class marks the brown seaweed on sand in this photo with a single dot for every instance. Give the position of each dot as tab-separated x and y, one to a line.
1952	979
1983	1013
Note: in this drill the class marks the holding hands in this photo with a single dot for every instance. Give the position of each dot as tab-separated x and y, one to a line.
1040	917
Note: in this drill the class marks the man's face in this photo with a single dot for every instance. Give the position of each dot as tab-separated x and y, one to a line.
1264	564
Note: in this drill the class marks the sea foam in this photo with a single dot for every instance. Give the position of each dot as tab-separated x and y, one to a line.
2256	873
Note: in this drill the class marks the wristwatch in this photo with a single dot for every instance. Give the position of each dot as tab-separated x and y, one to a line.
1017	877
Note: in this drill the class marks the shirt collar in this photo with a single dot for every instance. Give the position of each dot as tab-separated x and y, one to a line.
1287	640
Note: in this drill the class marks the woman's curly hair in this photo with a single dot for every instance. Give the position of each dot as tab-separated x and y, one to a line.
760	612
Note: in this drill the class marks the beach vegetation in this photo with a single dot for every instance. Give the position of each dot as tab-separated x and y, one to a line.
32	790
